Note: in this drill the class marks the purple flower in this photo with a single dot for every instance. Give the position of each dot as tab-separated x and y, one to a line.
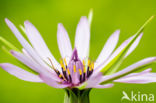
76	69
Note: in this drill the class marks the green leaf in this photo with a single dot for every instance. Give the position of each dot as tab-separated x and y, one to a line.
114	64
7	43
6	50
90	17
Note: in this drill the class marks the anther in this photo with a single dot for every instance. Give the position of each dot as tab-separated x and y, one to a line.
65	62
63	70
80	71
56	71
84	71
68	72
89	68
74	68
62	65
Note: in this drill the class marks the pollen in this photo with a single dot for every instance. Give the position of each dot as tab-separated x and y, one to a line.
62	65
84	66
92	65
89	62
80	71
74	68
65	61
68	72
60	75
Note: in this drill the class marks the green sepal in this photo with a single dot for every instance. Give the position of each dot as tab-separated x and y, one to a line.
75	95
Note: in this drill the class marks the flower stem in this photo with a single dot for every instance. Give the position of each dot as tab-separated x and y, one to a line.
76	96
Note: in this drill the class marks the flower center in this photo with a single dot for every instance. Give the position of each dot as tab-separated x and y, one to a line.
76	71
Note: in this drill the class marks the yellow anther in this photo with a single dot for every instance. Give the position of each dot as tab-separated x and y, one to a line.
65	61
60	75
84	66
92	65
61	62
88	62
74	68
62	65
80	71
68	72
83	62
84	69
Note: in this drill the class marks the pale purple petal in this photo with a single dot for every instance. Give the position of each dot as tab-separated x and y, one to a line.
138	78
63	42
118	52
38	43
82	38
134	45
94	80
33	65
20	73
52	83
25	44
130	68
140	73
104	86
26	54
108	48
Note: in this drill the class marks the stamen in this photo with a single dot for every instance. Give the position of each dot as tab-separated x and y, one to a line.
93	65
88	61
51	64
62	65
87	71
60	76
65	62
68	72
63	70
84	67
74	68
89	68
80	72
84	71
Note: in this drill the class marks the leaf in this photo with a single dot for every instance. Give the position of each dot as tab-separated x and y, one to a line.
114	64
7	43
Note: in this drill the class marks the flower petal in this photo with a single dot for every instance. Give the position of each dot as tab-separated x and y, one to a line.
104	86
108	48
93	80
63	42
134	45
38	43
25	44
140	73
117	57
139	78
130	69
20	73
52	83
33	65
82	38
113	57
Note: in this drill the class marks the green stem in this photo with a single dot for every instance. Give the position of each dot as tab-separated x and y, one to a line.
76	96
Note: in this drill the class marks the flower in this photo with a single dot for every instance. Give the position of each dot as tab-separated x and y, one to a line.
75	69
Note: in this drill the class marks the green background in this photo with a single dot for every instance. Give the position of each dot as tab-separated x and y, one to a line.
109	15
